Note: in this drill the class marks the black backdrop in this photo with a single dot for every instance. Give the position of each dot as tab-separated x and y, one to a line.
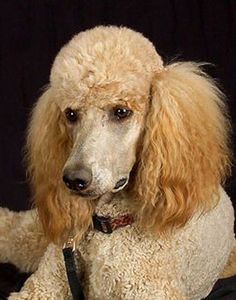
32	32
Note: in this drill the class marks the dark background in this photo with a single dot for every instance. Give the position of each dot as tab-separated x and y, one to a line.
32	32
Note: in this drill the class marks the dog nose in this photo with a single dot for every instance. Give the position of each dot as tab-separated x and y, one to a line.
77	180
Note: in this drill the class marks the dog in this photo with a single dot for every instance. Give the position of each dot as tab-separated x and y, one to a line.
119	136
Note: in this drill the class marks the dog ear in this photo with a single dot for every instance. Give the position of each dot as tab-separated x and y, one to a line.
46	152
47	149
184	155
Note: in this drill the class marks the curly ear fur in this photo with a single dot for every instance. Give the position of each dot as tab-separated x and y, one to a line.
47	149
185	155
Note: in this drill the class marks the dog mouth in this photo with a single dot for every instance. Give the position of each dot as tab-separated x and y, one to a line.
90	194
120	184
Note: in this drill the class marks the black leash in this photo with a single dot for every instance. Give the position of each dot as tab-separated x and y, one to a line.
102	224
73	280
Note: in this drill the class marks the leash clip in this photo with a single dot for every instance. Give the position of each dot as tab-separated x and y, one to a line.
69	244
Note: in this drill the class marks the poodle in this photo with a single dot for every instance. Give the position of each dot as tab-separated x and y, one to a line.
119	136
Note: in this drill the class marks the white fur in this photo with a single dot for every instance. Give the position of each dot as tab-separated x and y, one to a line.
129	264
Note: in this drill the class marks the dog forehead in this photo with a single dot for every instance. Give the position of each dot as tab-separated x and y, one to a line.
105	54
103	97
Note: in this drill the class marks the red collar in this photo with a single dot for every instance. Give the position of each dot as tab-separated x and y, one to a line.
109	224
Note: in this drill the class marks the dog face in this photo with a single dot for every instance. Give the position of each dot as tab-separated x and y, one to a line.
104	138
103	103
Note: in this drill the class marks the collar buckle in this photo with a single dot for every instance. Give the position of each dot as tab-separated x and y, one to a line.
102	224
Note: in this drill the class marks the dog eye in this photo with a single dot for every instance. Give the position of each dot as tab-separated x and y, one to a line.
71	115
122	113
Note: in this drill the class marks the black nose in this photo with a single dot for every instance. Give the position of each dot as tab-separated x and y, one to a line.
77	180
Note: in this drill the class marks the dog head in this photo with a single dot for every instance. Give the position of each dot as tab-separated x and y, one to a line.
113	116
101	80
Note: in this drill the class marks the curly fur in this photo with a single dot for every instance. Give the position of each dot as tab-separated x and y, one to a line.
183	230
48	145
184	153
